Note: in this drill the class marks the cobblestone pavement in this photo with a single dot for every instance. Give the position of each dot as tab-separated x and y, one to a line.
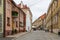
39	35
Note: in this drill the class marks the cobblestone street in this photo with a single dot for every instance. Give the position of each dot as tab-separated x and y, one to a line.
39	35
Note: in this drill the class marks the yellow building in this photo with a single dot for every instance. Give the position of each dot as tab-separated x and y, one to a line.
53	17
1	17
37	23
40	22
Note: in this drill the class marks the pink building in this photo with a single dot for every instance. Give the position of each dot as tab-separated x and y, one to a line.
14	18
8	19
22	21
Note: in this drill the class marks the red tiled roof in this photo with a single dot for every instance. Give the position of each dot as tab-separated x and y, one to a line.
43	16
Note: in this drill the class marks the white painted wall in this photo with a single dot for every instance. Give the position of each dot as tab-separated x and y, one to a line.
28	21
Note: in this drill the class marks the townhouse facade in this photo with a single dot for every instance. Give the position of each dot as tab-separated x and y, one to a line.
13	19
37	23
22	21
53	17
40	22
28	16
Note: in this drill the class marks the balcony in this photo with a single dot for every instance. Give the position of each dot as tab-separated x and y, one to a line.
14	14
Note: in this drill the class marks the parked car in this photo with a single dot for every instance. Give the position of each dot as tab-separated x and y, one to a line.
34	29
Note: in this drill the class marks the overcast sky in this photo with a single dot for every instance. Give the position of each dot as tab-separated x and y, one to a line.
37	7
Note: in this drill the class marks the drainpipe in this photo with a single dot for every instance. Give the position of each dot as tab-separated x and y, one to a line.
4	15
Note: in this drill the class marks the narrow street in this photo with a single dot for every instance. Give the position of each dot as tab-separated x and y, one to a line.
39	35
29	20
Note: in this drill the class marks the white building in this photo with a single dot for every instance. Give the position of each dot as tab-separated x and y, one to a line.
28	21
28	16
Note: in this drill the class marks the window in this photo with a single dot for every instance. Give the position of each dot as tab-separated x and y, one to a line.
21	24
53	7
8	21
56	17
14	13
56	3
16	24
0	2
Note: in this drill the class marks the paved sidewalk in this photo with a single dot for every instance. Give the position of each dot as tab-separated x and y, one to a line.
12	37
17	35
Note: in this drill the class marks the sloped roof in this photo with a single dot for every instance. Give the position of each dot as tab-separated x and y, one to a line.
43	16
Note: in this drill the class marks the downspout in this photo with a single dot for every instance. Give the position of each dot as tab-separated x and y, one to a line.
4	15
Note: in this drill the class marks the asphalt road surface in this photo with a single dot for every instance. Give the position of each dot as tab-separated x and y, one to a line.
39	35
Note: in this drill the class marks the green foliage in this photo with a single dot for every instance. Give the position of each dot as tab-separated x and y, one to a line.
14	13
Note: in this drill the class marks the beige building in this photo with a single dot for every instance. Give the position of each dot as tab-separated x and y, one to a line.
40	22
1	17
37	23
53	16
